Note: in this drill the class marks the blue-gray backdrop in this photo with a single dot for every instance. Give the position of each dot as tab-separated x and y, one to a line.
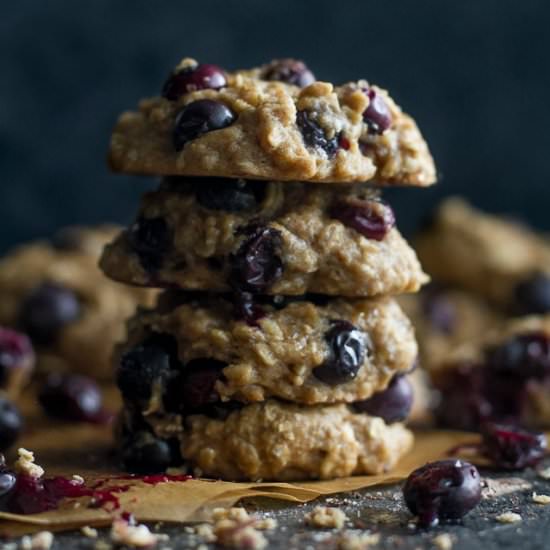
475	74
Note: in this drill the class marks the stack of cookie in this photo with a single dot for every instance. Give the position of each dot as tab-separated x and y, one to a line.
277	351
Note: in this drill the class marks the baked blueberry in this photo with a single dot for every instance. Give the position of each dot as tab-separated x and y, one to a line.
392	404
147	368
198	118
372	218
246	309
15	353
193	78
199	377
347	347
314	136
46	310
377	115
291	71
143	453
8	478
151	239
71	397
11	423
230	195
256	264
533	295
447	489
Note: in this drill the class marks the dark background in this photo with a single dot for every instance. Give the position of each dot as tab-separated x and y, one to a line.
474	73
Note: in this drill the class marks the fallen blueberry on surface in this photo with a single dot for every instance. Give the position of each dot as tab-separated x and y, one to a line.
447	489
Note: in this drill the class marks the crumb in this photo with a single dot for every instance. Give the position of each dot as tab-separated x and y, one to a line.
40	541
265	524
541	499
205	531
443	541
544	473
25	464
202	547
78	479
357	541
509	517
234	534
102	545
237	514
132	535
499	487
324	516
89	532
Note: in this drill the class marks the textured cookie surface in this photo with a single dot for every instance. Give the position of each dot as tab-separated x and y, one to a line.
485	254
55	292
283	441
271	238
269	129
337	351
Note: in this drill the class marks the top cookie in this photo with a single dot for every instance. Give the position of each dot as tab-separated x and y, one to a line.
274	122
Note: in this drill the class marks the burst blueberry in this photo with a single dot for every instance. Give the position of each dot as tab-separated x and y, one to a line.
314	136
190	79
377	115
151	239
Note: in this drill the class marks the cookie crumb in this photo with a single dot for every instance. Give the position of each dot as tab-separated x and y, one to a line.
325	516
139	536
102	545
42	540
443	541
236	513
89	532
235	534
544	473
541	499
508	517
25	464
357	541
78	479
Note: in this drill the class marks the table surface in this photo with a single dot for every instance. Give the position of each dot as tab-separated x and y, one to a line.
381	510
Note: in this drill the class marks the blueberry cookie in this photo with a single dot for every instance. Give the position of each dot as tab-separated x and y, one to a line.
503	377
445	318
264	238
271	440
55	293
195	350
499	259
273	123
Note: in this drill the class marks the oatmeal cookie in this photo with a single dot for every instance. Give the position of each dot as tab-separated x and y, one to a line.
265	124
503	261
268	238
271	440
503	376
54	292
193	350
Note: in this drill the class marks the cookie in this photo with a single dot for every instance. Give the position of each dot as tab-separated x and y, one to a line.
55	293
259	124
271	440
445	318
268	238
193	351
501	260
503	376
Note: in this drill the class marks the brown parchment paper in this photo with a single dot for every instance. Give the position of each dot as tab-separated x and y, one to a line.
86	450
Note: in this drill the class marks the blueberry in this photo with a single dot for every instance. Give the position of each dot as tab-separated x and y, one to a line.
511	447
439	310
11	423
447	489
246	309
191	79
392	404
142	453
291	71
71	397
15	353
347	349
533	295
377	115
372	218
46	310
256	265
147	367
226	194
314	136
198	118
151	239
199	377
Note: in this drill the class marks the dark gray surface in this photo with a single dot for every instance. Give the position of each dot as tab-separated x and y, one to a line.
382	511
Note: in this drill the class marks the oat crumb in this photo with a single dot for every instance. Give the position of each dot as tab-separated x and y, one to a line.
102	545
509	517
78	479
325	516
444	541
235	534
541	499
138	536
40	541
25	464
237	514
544	473
89	532
350	540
